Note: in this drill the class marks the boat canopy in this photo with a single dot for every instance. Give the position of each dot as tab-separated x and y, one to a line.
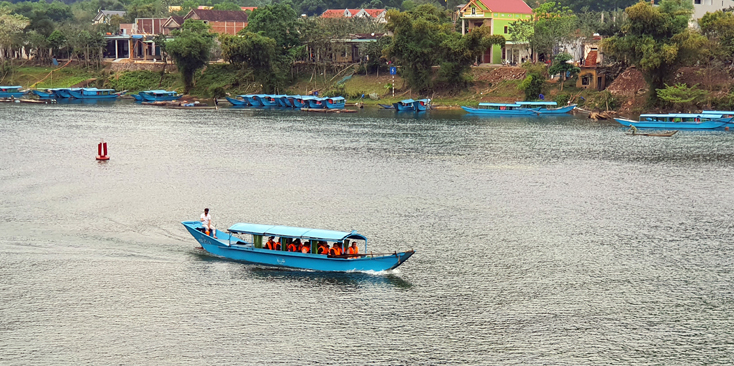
538	103
294	232
10	87
718	112
336	98
682	115
499	105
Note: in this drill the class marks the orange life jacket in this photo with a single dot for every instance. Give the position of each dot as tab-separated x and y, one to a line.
335	251
353	250
292	248
321	250
277	246
269	245
305	249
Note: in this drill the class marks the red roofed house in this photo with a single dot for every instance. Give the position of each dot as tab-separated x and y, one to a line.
378	15
498	15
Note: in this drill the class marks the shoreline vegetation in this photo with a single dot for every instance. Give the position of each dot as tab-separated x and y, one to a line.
647	58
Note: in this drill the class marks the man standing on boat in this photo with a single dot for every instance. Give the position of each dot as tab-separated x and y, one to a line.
206	222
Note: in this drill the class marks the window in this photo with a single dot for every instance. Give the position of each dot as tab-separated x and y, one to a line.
474	10
506	30
697	2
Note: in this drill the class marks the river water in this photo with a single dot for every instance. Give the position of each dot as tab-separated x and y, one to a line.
556	241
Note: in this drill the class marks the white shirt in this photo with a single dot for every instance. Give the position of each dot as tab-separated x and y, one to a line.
206	219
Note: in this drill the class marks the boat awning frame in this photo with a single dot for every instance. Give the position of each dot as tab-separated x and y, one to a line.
294	232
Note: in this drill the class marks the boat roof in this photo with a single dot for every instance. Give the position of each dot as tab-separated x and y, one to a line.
499	104
11	87
537	103
406	101
158	91
335	98
718	112
683	115
95	89
294	232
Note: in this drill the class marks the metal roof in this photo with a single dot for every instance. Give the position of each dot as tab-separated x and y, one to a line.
294	232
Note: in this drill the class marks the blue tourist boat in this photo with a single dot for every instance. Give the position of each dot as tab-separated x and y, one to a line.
700	121
244	242
404	105
422	105
11	92
64	93
281	100
158	95
253	100
94	93
501	109
300	102
267	100
335	102
47	94
238	101
316	102
544	108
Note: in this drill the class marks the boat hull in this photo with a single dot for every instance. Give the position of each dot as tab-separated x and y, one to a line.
705	125
335	105
497	112
315	103
81	95
299	103
317	262
237	102
266	102
162	98
137	97
561	110
11	94
403	107
43	95
254	101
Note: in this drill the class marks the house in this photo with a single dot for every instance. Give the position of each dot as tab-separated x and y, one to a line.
343	51
149	25
221	21
701	7
592	75
104	16
498	15
377	15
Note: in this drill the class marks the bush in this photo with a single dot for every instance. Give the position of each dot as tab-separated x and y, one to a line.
562	98
135	80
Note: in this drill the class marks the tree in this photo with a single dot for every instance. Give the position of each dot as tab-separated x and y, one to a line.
226	6
553	25
680	95
11	25
277	21
190	49
57	41
654	39
561	66
161	41
255	52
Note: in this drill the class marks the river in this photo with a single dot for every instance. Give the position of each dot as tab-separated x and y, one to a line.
538	240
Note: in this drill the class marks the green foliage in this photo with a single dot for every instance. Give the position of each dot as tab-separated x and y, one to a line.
190	49
562	67
258	53
423	38
654	39
562	99
534	82
681	94
277	21
551	25
135	81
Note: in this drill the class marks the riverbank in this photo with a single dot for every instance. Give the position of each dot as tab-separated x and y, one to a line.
490	84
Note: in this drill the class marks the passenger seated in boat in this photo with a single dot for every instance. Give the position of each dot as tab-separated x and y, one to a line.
306	248
271	244
353	249
323	248
298	244
292	247
335	250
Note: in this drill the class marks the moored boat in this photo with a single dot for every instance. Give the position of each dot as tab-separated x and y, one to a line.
315	102
501	109
238	101
244	242
94	93
159	95
64	93
12	92
544	108
267	100
335	102
422	105
300	102
701	121
404	105
47	94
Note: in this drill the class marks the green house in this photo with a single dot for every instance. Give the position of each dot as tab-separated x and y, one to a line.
498	15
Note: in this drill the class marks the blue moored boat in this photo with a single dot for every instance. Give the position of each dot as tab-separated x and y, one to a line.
158	95
267	100
544	108
404	105
244	242
238	101
315	102
701	121
502	109
300	102
94	93
64	93
335	102
422	105
11	92
47	94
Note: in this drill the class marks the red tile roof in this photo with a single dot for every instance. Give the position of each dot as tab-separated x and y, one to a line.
374	12
354	11
590	59
218	15
508	6
333	13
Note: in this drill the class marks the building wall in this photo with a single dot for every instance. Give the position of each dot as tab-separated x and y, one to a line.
227	27
701	7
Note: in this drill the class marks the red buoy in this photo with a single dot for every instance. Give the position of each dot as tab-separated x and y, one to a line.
102	151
